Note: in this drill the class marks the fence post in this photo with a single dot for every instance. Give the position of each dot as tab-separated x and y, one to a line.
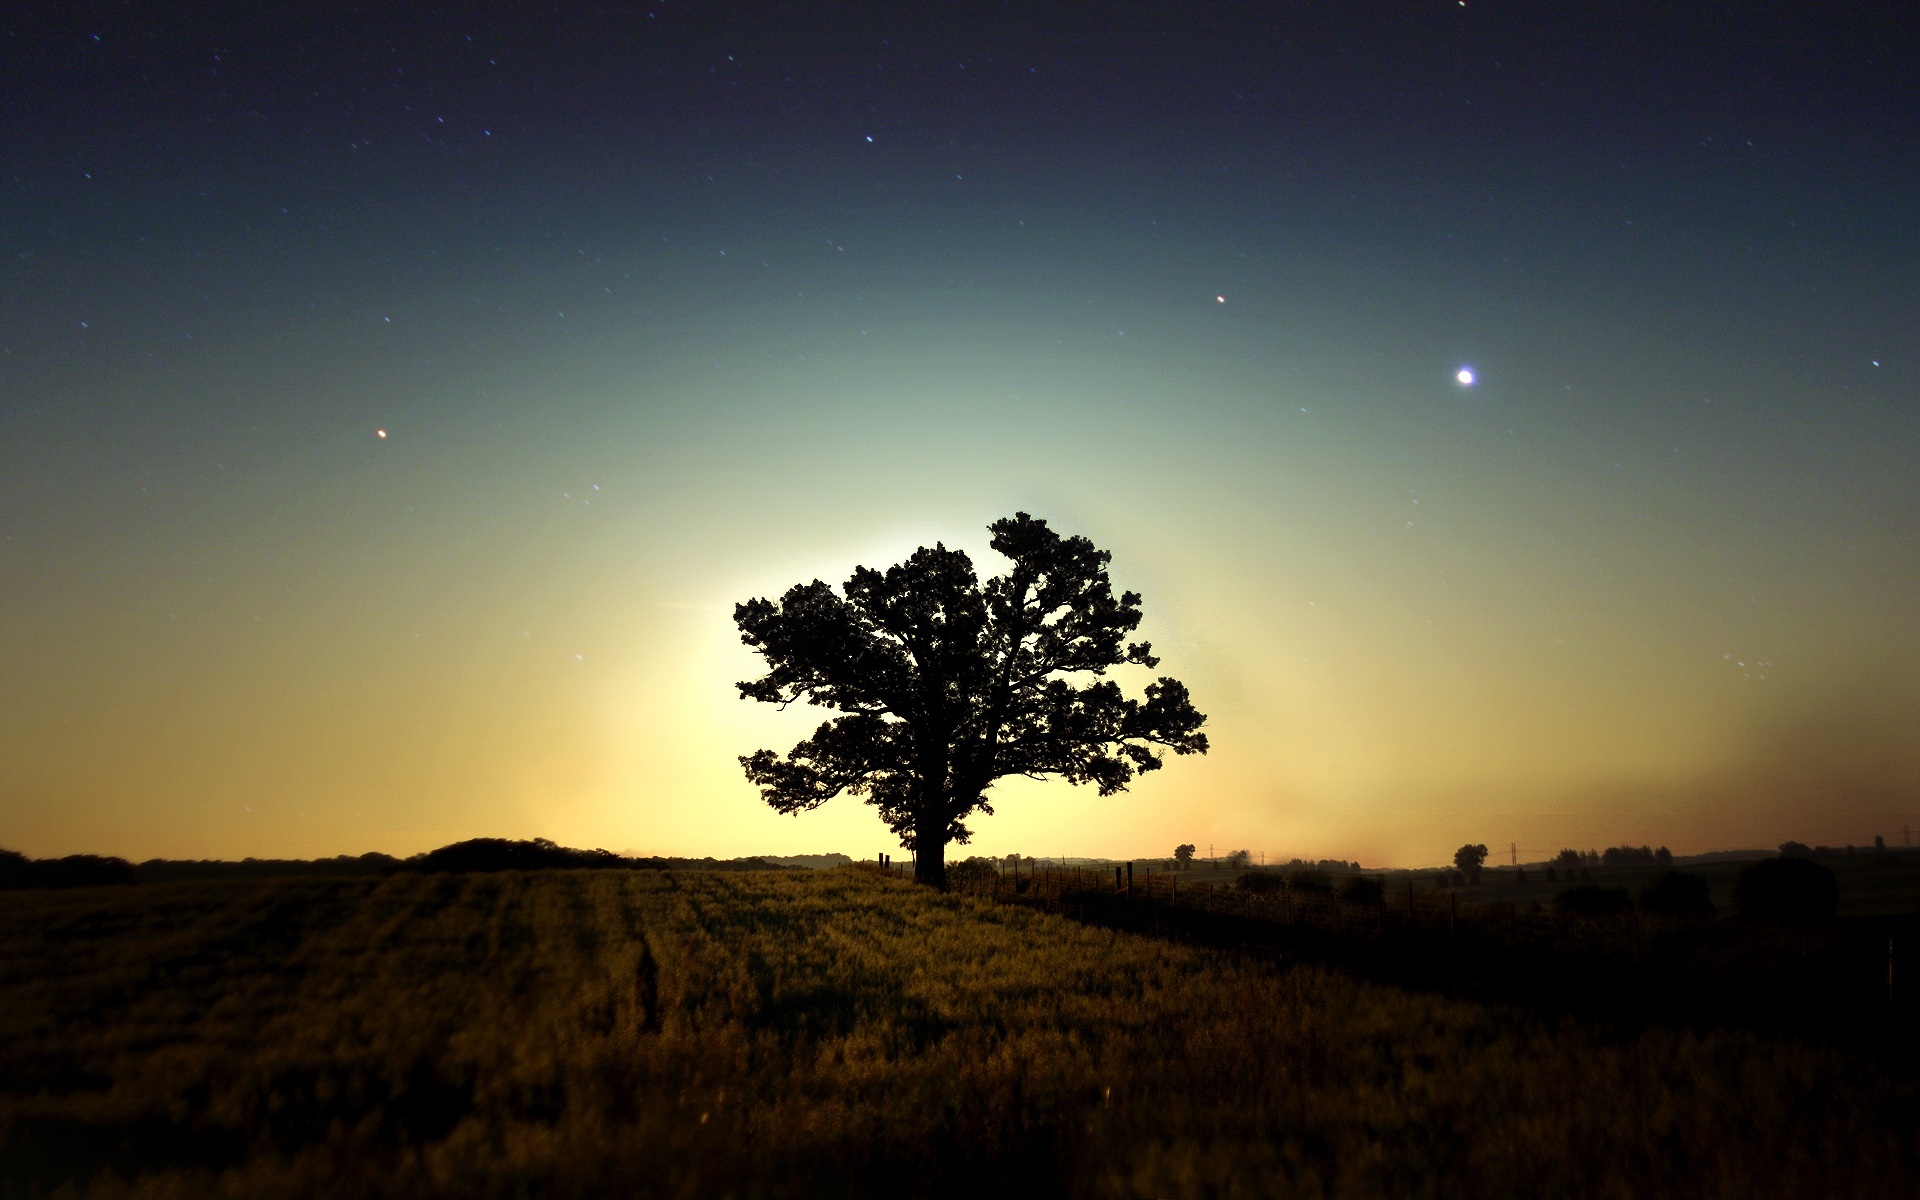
1129	879
1453	910
1116	879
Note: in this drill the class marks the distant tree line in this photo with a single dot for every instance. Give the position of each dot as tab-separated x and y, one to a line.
477	854
1615	856
539	854
75	870
1308	882
1788	890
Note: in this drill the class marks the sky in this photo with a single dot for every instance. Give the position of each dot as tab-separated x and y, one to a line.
395	401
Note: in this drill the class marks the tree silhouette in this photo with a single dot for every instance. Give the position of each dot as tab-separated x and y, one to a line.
1469	859
949	684
1183	854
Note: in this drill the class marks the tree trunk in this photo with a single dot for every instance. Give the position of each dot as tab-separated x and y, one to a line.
930	854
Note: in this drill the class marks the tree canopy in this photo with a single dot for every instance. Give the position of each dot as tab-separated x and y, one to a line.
947	684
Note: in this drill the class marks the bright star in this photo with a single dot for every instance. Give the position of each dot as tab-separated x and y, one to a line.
380	433
1465	376
1220	299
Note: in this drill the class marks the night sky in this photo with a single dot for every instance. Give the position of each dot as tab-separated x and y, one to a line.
395	400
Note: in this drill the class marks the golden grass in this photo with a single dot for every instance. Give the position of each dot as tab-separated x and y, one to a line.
684	1034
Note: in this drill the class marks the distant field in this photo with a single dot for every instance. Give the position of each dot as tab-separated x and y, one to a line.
696	1034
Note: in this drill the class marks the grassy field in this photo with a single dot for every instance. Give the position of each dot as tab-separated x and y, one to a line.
834	1033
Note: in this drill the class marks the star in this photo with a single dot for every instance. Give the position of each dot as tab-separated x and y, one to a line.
380	433
1465	376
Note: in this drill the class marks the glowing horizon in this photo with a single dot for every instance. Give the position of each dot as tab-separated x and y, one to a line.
392	482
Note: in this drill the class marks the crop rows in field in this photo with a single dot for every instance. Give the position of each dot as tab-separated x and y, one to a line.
690	1034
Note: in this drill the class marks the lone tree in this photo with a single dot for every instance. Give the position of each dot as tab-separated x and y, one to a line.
949	684
1183	854
1469	859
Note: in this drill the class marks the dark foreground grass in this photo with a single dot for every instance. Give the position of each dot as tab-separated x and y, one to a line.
644	1033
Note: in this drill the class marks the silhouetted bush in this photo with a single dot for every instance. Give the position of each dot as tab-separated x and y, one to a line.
1795	850
973	873
502	854
1261	881
1310	883
1677	894
1786	890
75	870
1363	889
1593	901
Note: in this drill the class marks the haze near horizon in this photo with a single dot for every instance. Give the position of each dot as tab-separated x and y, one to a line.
392	412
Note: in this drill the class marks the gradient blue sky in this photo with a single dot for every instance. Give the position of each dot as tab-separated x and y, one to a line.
663	307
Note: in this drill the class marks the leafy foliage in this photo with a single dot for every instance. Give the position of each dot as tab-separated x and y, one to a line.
948	684
973	873
1469	859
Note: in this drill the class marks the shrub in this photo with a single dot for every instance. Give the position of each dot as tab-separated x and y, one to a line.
1310	883
974	872
1786	890
1677	894
1592	901
1363	889
1261	881
503	854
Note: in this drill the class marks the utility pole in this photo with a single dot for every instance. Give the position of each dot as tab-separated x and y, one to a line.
1513	854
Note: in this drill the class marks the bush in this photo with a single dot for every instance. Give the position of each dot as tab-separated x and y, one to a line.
974	872
1795	891
1363	889
502	854
1592	901
1677	894
1310	883
1261	881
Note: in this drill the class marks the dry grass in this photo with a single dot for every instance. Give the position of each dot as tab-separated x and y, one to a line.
595	1033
